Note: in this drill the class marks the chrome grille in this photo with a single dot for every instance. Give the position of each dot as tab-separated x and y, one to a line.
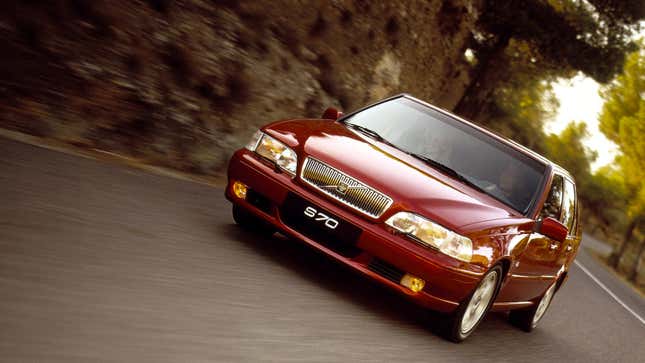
351	192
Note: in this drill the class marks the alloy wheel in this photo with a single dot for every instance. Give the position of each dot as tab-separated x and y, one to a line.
478	304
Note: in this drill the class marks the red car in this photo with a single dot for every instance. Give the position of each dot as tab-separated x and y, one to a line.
454	217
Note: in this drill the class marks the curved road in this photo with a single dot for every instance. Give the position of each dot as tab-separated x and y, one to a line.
103	262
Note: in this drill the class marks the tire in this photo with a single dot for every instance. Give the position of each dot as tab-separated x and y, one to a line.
250	222
463	322
527	319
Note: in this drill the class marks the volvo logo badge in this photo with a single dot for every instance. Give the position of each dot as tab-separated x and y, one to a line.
342	188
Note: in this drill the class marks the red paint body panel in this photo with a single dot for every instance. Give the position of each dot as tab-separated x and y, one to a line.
531	261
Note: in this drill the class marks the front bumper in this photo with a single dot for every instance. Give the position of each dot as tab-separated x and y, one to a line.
378	250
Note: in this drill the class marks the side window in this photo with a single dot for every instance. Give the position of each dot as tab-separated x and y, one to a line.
553	203
569	206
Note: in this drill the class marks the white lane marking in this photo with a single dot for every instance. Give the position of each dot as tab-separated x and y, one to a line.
584	269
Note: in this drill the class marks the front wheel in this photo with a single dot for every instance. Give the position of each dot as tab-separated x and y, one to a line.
527	319
473	309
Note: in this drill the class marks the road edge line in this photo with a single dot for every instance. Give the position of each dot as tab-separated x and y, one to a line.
618	300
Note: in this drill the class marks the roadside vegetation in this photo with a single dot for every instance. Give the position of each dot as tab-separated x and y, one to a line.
623	121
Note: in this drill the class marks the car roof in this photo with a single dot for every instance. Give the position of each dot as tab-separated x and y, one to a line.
553	166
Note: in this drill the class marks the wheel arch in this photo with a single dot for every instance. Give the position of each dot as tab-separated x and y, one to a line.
505	262
561	279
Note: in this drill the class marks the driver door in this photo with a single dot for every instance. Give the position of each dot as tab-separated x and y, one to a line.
538	265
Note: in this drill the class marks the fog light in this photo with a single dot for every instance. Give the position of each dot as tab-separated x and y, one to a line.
239	189
413	283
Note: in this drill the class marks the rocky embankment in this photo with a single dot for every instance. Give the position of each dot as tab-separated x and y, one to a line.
183	83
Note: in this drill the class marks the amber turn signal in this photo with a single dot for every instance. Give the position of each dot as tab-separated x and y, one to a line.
413	283
240	189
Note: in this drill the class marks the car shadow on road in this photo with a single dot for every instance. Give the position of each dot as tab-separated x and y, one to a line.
345	283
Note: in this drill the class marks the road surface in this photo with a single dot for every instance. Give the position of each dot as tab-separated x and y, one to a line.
103	262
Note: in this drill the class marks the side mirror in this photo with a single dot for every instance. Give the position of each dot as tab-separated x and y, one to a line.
332	114
553	229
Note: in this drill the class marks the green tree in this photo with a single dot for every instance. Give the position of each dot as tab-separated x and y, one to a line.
622	120
605	198
558	38
568	150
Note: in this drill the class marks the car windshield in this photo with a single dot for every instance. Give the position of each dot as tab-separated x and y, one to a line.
454	148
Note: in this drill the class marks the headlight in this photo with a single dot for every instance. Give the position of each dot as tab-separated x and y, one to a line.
433	235
253	143
275	151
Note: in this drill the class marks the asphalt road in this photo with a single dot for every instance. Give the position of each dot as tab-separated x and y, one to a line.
103	262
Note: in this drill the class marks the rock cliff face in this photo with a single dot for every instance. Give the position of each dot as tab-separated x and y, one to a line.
184	83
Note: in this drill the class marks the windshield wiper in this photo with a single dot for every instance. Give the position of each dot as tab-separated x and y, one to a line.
447	170
369	132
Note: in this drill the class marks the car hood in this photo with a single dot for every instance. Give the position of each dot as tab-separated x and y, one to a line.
412	184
